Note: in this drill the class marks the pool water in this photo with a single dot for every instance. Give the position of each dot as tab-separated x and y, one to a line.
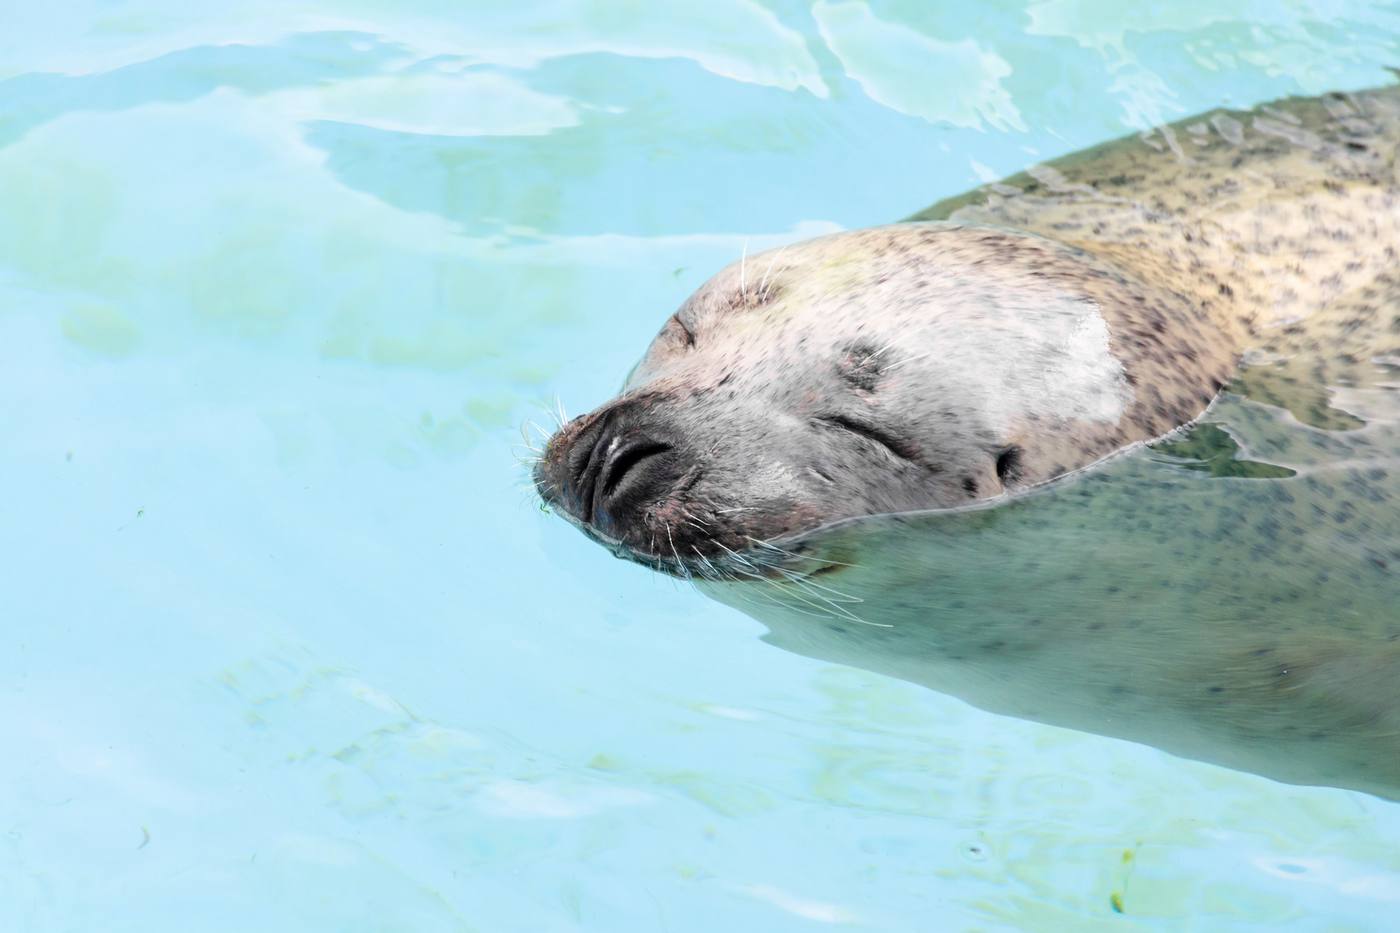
287	642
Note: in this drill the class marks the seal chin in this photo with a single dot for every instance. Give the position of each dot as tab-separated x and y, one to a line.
672	564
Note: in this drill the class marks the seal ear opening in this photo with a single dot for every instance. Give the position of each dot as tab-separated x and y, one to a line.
1009	464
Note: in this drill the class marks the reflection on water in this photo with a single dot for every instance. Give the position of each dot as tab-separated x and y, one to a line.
287	647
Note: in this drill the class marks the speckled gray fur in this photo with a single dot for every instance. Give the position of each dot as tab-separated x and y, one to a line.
990	372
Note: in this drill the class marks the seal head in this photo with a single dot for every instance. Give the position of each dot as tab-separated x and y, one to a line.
895	369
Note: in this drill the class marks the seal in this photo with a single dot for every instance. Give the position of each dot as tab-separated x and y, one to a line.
968	449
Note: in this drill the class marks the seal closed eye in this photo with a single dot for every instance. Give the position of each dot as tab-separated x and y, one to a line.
896	446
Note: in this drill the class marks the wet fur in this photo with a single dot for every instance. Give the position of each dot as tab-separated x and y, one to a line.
1249	622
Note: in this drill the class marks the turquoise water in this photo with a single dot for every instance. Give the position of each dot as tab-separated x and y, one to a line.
287	643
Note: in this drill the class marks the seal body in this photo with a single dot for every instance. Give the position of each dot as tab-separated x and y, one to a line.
923	449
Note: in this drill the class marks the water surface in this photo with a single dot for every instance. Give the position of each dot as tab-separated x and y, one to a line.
287	644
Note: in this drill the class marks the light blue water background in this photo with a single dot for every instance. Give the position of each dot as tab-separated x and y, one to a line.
285	643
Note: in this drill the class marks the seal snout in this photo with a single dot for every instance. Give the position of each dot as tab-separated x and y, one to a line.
606	469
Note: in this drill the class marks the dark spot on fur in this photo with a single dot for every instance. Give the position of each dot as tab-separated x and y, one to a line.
861	366
969	485
1009	464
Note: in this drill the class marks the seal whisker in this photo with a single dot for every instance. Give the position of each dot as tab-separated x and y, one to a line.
531	425
824	607
749	596
817	601
680	564
804	582
800	589
845	613
763	283
757	542
553	411
793	586
883	349
696	518
531	496
905	361
736	555
715	573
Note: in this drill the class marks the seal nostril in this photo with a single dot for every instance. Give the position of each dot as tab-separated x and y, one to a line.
624	462
584	462
607	469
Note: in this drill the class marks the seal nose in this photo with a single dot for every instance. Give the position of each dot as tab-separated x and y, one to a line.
606	474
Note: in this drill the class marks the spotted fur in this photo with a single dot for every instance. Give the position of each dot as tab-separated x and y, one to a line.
899	447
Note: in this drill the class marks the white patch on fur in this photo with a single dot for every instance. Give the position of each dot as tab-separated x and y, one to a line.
1085	380
1052	360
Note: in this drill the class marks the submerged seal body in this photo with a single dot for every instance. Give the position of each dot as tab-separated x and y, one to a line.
922	449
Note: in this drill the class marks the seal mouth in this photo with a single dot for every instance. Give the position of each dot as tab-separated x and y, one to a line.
761	561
